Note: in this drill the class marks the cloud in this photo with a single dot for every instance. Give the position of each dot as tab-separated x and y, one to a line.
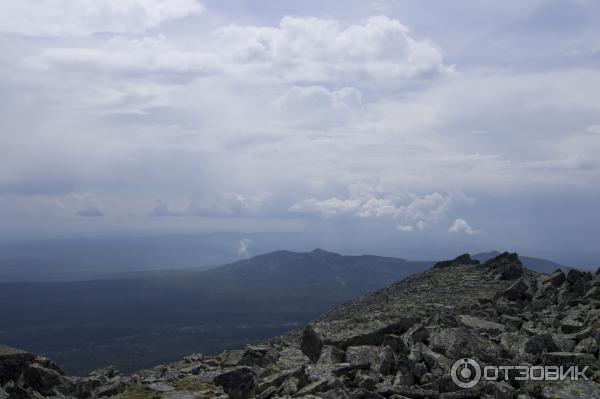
230	204
91	212
462	226
318	107
243	246
406	228
162	210
371	202
378	52
325	50
84	17
127	56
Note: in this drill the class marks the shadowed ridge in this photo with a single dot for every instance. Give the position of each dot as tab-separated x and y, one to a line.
464	259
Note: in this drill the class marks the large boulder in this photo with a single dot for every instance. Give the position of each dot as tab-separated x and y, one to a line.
238	383
362	356
540	343
311	344
556	278
12	363
505	266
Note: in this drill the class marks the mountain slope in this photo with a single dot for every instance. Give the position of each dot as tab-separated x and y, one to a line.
134	323
399	342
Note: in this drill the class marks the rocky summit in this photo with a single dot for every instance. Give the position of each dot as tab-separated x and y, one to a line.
399	342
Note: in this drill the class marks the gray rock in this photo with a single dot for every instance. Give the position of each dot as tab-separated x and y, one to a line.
461	260
505	266
267	393
395	342
510	322
481	324
593	293
44	380
556	278
570	325
331	355
587	345
570	390
238	383
385	363
573	276
232	358
312	388
362	356
362	393
311	345
12	363
112	389
335	394
404	378
568	359
417	333
518	290
366	381
541	343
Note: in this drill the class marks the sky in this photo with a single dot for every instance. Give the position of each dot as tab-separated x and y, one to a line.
455	126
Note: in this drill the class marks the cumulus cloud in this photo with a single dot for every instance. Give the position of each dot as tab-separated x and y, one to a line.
365	201
462	226
243	247
84	17
379	51
325	50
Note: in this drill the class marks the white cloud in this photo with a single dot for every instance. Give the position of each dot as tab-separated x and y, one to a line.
378	52
230	204
243	246
126	56
318	107
84	17
462	226
369	202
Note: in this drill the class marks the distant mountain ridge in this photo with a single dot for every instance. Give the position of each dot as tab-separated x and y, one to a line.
206	311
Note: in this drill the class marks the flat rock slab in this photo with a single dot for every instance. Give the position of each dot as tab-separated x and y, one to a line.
481	324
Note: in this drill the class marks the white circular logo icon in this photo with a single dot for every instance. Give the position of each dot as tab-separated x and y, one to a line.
466	373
